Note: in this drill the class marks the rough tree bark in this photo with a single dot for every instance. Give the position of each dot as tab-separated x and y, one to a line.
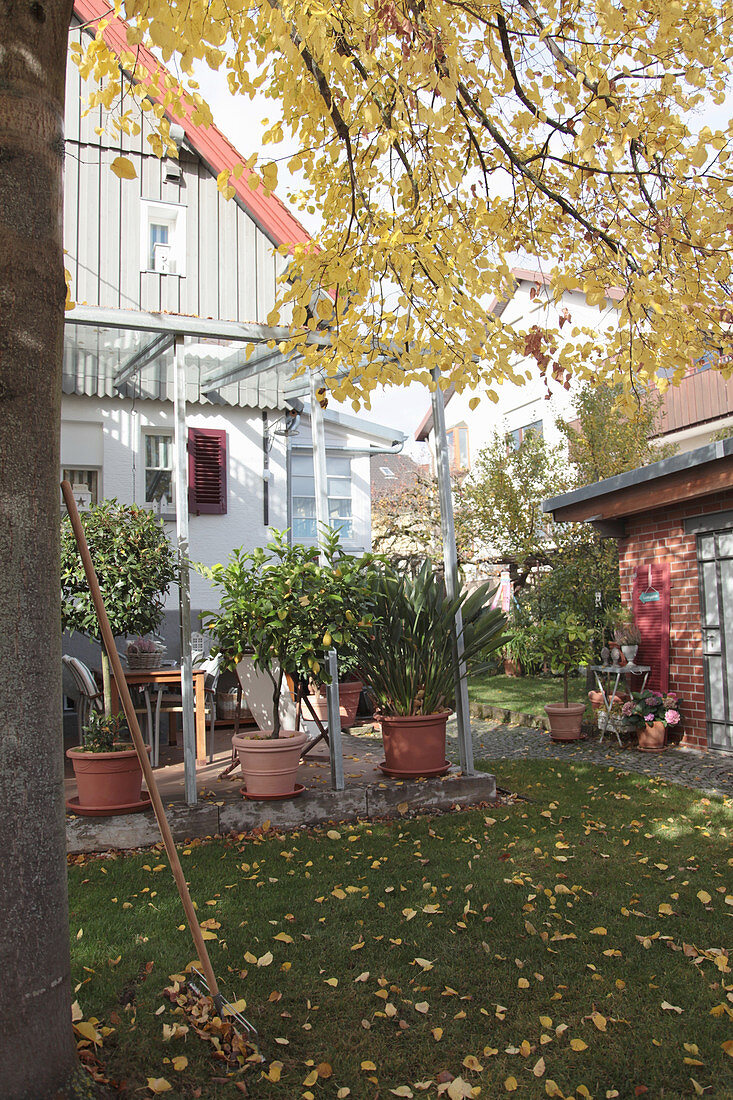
36	1043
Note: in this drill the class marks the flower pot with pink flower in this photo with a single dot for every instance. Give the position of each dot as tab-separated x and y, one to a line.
652	713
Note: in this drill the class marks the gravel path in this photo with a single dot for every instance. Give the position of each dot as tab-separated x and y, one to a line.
709	772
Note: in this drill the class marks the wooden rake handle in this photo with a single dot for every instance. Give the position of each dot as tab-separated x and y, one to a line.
129	709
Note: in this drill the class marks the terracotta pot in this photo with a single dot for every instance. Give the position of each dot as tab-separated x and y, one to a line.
652	738
105	780
565	722
349	693
414	745
596	698
512	668
270	765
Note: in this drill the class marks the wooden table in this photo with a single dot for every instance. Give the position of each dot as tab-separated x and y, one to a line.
172	675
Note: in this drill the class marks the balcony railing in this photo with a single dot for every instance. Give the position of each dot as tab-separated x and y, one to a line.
700	397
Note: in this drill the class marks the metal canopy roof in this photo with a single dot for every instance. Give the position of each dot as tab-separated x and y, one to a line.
125	353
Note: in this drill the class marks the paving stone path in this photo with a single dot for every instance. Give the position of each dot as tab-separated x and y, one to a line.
711	773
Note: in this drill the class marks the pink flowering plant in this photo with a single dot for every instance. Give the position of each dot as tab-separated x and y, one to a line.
647	706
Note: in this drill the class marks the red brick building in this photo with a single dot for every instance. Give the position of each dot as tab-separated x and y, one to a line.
674	525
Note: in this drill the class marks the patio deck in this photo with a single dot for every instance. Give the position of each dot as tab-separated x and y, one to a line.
222	809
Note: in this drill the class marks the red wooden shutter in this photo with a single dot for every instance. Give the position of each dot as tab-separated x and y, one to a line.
207	471
652	617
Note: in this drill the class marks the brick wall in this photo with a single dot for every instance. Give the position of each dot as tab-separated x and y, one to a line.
659	536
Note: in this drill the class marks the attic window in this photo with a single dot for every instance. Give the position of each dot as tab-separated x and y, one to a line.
386	472
163	238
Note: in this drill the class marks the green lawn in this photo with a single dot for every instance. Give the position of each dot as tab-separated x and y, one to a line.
524	693
568	943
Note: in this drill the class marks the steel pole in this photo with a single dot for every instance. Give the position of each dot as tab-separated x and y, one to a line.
450	562
318	438
184	593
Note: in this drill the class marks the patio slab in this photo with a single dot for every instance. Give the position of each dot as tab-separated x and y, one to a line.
222	809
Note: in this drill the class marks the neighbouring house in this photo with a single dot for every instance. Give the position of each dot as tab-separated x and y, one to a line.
690	415
674	525
405	509
166	253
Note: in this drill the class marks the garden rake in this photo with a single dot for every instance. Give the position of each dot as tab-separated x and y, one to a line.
207	977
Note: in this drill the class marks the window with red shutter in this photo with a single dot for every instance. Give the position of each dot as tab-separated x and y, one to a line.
207	471
651	611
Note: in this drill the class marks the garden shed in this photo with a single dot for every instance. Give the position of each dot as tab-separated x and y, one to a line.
674	525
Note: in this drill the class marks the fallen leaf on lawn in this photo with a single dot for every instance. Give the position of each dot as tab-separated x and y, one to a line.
524	1048
343	1093
333	834
699	1090
578	1044
402	807
437	1033
311	1078
88	1031
408	914
705	898
425	964
403	1090
76	1013
324	1070
546	1021
368	1066
362	977
598	1020
458	1089
599	931
274	1072
331	981
158	1085
180	1062
284	937
667	1007
266	959
727	1046
553	1089
538	1068
422	1006
472	1063
510	1084
522	983
665	910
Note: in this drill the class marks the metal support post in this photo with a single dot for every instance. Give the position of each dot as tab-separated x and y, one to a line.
181	474
318	437
450	561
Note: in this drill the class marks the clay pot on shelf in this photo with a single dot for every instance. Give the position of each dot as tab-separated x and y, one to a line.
270	765
652	738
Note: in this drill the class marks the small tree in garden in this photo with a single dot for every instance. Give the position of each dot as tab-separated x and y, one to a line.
281	605
135	564
565	643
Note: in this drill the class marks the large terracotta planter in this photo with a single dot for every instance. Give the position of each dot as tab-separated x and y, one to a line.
107	782
414	746
349	693
270	765
565	722
652	737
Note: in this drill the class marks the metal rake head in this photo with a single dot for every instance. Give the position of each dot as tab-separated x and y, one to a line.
242	1024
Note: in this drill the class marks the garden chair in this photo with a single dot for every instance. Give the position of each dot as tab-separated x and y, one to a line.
91	697
172	704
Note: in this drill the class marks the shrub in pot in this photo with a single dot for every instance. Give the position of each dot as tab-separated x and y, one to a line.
565	643
408	661
135	564
107	769
285	608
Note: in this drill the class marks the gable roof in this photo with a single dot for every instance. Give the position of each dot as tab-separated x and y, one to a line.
267	210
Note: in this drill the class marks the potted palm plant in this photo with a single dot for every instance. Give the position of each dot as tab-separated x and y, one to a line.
408	662
286	609
565	643
107	770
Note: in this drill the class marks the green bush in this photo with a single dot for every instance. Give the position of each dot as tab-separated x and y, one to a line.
565	643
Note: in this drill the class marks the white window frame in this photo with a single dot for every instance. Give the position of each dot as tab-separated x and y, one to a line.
154	506
312	540
173	215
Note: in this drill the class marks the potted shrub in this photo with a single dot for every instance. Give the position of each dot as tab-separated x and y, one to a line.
650	713
286	609
408	662
565	643
136	566
628	637
520	651
107	770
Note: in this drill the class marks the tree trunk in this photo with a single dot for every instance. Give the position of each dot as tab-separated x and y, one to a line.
37	1051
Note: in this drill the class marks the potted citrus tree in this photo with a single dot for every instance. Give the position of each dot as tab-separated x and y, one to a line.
135	564
408	662
107	770
286	609
565	643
